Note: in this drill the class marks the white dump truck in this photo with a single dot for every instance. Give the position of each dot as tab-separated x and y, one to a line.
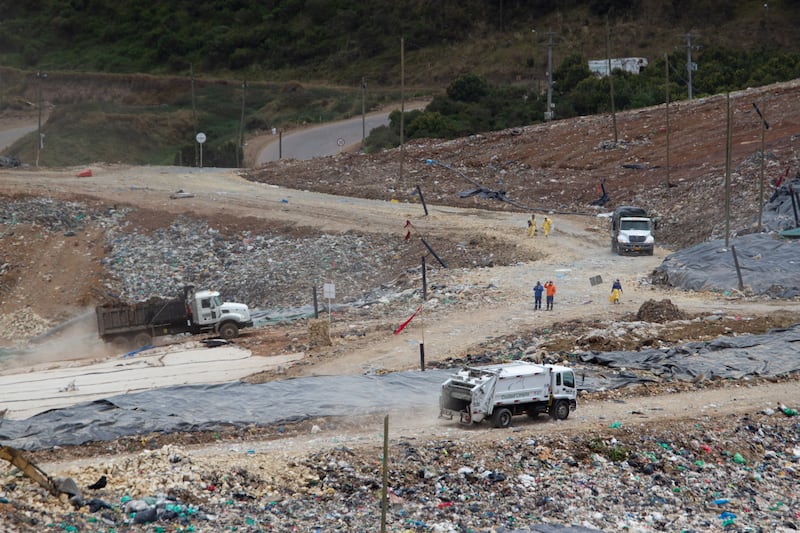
631	231
135	325
504	390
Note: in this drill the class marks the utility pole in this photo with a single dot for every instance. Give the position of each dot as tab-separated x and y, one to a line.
611	82
363	112
194	115
728	149
666	70
40	135
689	64
548	114
764	127
240	145
402	105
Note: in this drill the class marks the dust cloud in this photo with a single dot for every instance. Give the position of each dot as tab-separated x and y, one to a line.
75	341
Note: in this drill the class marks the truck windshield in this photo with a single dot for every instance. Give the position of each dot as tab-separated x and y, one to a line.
641	225
569	379
217	301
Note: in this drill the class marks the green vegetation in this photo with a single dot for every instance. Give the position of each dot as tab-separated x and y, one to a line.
472	105
478	59
156	123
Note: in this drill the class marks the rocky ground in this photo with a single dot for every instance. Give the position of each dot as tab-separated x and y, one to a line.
702	456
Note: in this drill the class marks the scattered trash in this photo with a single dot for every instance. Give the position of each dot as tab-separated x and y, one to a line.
84	173
180	193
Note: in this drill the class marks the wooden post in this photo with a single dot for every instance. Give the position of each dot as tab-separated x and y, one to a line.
316	308
385	488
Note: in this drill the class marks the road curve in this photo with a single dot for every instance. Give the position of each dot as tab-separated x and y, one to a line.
326	139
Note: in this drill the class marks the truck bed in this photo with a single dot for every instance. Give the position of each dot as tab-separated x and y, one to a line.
111	319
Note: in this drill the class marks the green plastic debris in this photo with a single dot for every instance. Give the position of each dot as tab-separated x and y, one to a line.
615	425
788	411
738	459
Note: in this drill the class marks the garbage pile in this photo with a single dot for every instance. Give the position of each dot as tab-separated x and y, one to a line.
737	472
21	325
256	269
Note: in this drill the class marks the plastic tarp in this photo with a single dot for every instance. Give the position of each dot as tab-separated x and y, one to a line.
770	266
774	353
212	407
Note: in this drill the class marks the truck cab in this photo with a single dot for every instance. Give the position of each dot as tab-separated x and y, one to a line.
209	311
631	231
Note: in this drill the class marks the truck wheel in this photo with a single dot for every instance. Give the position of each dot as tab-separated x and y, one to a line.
142	339
121	343
560	411
501	418
229	330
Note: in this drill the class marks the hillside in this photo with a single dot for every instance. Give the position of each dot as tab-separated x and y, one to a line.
343	41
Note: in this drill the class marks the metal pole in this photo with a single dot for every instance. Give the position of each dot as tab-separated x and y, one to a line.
316	306
422	199
738	270
764	127
280	144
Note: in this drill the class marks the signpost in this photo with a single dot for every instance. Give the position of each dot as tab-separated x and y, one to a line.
201	138
329	293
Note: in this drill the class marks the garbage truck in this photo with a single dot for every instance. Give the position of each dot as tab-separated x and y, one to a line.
631	231
135	325
499	392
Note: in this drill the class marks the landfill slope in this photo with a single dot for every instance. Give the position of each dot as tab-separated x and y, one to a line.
696	452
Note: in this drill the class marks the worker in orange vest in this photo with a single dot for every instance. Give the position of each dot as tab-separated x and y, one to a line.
550	291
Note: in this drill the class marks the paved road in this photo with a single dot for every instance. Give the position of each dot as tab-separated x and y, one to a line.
9	137
320	141
327	139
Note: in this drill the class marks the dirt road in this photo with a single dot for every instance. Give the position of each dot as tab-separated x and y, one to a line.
575	251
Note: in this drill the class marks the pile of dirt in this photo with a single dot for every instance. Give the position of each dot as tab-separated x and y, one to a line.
660	312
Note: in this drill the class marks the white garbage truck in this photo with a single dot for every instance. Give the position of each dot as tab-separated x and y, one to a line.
501	391
631	231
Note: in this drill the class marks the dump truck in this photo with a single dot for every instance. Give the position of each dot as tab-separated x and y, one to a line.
498	392
631	231
135	325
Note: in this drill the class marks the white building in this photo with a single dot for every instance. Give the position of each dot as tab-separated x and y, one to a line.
628	64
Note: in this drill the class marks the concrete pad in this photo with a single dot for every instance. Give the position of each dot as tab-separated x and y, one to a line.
34	390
